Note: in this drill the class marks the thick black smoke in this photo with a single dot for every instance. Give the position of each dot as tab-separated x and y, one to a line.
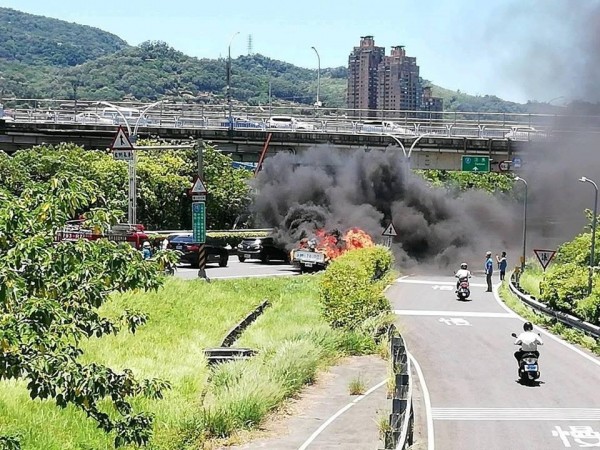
550	49
338	189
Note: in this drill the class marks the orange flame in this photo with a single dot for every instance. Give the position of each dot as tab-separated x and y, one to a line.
334	245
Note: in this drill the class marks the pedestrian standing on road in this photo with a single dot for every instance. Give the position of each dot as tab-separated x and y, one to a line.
502	263
489	270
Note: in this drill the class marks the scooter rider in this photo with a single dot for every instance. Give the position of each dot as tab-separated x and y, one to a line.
461	274
528	340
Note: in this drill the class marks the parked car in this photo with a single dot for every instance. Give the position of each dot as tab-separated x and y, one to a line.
383	126
288	122
263	248
189	249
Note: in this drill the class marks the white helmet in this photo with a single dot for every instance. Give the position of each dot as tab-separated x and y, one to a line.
463	266
146	244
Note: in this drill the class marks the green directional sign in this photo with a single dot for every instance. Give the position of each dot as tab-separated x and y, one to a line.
199	221
475	163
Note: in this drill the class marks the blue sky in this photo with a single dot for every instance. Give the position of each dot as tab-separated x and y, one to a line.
477	46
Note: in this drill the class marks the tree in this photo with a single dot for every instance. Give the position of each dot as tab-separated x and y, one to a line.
50	293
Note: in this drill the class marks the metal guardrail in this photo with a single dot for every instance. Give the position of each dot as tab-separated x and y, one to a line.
562	317
401	420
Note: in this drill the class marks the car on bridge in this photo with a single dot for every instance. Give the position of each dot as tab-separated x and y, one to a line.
383	127
524	133
185	244
243	122
288	122
92	118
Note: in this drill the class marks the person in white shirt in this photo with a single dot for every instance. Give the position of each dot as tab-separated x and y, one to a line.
461	274
529	341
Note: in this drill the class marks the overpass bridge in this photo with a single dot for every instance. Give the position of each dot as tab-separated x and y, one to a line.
435	140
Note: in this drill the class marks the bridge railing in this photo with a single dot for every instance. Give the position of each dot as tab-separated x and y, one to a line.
332	120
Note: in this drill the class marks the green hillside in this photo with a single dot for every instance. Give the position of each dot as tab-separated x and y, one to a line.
36	40
49	58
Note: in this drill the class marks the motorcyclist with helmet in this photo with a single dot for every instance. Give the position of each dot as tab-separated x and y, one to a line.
461	274
528	340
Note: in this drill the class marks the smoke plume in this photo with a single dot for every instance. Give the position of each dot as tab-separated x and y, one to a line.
330	188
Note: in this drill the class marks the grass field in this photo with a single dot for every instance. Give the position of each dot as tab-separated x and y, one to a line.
184	318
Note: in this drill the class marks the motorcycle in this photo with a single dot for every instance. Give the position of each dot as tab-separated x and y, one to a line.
463	290
529	369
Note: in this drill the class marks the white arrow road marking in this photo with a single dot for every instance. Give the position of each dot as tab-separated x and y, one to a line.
443	288
417	312
517	414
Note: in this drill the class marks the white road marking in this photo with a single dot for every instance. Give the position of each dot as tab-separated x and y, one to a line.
439	283
427	400
339	413
455	321
544	332
517	414
419	312
442	288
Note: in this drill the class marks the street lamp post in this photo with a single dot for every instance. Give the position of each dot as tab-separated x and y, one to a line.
524	224
410	149
318	103
592	255
229	79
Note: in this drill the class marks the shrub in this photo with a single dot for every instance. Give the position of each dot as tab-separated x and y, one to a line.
564	285
351	289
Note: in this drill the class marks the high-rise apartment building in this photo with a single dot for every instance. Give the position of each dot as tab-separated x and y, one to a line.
363	65
378	84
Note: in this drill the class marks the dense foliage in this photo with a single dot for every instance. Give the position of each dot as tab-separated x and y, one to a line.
36	40
351	290
164	177
50	293
565	284
462	181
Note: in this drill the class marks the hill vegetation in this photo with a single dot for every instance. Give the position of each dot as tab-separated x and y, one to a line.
49	58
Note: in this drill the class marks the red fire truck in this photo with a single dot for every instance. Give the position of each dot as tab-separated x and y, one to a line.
133	234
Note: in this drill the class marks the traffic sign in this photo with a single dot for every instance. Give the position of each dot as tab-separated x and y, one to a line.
544	256
516	162
123	155
504	166
199	221
475	163
121	141
199	197
198	187
390	231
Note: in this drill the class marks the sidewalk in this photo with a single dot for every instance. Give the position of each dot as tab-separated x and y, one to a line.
325	416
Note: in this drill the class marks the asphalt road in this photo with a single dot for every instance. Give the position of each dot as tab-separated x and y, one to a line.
474	399
236	269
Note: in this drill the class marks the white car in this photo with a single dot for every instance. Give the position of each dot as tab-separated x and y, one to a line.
383	126
524	133
92	118
288	122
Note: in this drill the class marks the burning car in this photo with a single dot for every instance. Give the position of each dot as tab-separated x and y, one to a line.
317	252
